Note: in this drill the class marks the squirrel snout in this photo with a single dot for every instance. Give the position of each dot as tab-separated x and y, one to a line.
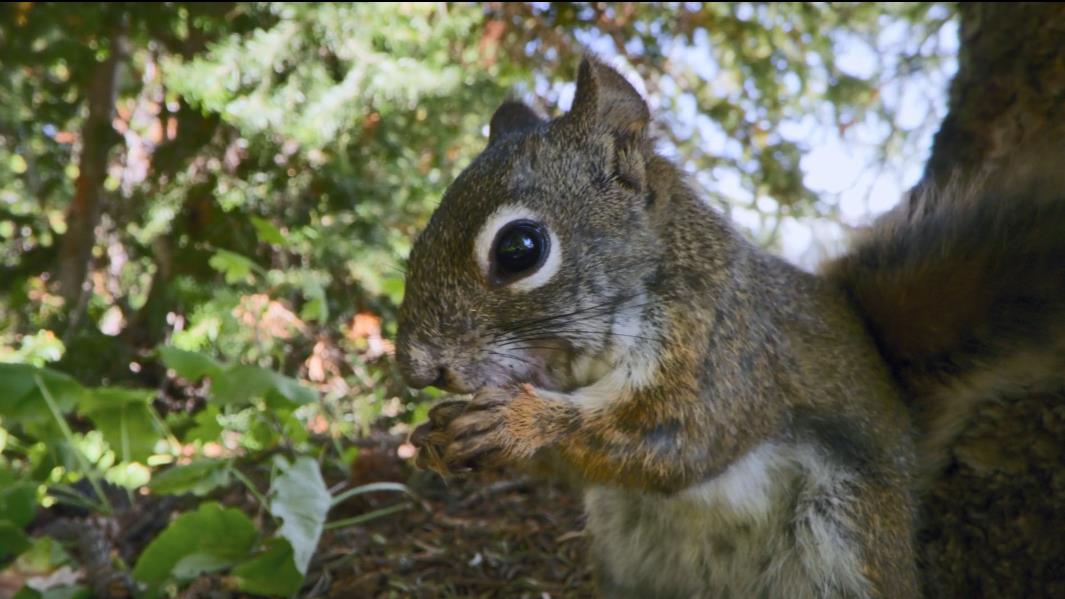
426	377
421	369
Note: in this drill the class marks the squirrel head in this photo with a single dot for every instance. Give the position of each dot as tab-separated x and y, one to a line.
540	251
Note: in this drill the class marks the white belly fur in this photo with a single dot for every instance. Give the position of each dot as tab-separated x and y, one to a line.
773	525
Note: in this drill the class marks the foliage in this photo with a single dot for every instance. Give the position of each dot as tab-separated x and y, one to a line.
267	166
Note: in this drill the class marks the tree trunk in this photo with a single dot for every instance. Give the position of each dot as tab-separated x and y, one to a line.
1009	91
97	139
995	520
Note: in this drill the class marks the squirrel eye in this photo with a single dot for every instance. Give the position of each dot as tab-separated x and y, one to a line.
520	248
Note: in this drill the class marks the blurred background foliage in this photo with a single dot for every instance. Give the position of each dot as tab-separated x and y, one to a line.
205	207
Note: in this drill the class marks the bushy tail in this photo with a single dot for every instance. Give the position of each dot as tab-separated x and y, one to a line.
963	288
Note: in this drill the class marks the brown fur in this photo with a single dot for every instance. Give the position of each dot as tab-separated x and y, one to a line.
741	427
963	286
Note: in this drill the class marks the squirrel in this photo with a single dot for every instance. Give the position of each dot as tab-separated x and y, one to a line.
741	427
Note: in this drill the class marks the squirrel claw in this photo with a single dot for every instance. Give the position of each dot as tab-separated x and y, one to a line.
462	435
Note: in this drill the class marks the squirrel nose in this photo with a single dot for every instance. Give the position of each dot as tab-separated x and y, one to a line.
428	377
441	377
423	365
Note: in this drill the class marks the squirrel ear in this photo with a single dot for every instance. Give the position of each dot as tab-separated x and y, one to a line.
510	117
605	96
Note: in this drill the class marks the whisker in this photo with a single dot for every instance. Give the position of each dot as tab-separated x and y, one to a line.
552	325
520	325
628	265
513	357
562	332
524	347
593	310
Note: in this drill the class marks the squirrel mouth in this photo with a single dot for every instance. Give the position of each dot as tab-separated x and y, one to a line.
569	372
548	366
554	365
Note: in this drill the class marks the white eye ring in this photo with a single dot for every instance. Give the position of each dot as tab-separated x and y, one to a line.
484	245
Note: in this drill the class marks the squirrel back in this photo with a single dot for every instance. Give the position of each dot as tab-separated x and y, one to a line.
962	287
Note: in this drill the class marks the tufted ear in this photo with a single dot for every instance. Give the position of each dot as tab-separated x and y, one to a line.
511	117
605	97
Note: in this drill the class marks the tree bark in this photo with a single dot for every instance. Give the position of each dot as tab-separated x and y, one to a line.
1009	91
994	521
97	139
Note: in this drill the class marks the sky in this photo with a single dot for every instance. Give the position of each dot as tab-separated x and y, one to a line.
843	169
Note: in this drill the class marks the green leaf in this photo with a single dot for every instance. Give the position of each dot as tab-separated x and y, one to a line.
123	417
13	540
189	364
131	475
301	500
226	535
371	488
192	565
289	391
241	383
44	556
18	499
393	287
199	478
272	572
268	233
236	268
21	400
315	309
76	591
207	427
61	592
317	306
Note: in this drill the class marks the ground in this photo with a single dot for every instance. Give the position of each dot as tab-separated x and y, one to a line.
499	535
507	535
993	525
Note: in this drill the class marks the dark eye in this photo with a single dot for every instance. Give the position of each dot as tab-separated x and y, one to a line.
520	248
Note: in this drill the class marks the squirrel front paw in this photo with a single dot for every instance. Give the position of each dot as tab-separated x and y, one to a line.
482	433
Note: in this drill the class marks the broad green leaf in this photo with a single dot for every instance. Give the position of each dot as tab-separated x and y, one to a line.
227	535
191	566
393	287
18	499
272	572
44	556
262	432
123	417
301	500
199	478
189	364
21	399
236	268
13	539
315	309
241	383
317	306
295	429
268	233
288	390
207	427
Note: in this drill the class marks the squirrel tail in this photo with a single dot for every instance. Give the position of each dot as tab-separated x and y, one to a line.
962	287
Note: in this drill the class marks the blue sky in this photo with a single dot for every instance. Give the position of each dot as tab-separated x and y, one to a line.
843	169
